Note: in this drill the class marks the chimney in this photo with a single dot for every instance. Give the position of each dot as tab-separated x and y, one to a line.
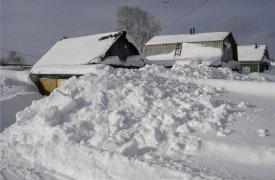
193	29
256	46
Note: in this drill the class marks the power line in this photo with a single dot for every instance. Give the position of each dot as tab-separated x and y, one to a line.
20	53
189	12
27	36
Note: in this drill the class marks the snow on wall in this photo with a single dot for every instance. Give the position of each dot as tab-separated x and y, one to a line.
191	54
199	37
250	53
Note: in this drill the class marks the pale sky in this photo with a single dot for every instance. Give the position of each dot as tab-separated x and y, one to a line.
33	26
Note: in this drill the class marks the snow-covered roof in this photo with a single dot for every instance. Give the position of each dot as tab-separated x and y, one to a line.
191	54
134	60
199	37
250	53
79	50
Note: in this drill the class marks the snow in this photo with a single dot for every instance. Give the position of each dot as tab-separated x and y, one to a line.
191	54
187	122
64	69
17	92
232	64
76	52
134	61
187	38
250	53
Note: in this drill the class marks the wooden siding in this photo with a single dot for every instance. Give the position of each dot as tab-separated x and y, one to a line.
47	85
231	54
215	44
152	50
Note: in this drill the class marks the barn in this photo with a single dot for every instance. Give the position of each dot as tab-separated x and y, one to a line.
77	56
253	58
167	44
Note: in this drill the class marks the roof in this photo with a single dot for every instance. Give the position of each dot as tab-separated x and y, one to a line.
187	38
79	50
250	53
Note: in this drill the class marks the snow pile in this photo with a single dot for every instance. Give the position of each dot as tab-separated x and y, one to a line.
270	74
191	54
90	123
17	92
232	64
148	123
206	72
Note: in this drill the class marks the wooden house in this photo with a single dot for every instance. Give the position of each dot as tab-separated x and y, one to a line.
253	58
165	44
77	56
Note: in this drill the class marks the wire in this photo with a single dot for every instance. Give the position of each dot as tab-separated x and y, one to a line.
20	53
26	36
189	12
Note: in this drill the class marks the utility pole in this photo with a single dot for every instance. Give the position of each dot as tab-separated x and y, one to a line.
164	2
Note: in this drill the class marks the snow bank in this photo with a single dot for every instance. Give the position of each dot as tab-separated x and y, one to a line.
130	124
256	156
120	124
270	74
17	92
205	72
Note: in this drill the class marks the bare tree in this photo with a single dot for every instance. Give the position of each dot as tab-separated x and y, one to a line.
141	25
14	58
2	61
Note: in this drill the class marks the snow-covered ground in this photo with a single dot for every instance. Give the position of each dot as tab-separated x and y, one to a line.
188	122
17	92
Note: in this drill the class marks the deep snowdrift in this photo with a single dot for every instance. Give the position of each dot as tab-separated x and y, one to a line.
127	124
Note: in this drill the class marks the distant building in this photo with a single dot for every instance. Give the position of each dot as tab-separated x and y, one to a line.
77	56
166	44
253	58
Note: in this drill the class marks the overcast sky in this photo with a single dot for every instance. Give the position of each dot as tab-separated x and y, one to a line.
33	26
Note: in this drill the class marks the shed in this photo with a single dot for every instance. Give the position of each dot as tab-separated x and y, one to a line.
77	56
253	58
165	44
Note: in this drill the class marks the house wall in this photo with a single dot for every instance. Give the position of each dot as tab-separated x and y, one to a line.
46	83
214	44
122	48
152	50
254	67
228	54
234	54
